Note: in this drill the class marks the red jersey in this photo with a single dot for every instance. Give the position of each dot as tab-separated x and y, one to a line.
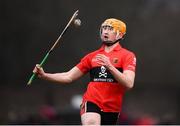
103	89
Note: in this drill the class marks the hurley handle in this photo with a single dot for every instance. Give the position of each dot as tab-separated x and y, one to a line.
41	64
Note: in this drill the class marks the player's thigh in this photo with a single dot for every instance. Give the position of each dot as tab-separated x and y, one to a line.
109	118
91	118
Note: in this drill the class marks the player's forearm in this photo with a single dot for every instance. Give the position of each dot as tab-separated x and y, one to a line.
121	78
57	77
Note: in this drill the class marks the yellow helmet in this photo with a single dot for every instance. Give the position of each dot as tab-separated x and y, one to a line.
117	25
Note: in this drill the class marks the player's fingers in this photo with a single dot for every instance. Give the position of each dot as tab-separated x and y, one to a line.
34	70
100	63
99	60
102	58
101	55
37	68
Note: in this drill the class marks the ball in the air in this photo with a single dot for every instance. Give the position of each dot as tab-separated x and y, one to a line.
77	22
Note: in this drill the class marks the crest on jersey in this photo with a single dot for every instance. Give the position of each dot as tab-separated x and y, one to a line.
103	72
115	60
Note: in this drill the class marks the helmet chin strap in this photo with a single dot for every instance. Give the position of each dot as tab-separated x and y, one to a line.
110	43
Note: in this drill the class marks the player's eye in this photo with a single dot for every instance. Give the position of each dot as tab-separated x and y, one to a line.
106	27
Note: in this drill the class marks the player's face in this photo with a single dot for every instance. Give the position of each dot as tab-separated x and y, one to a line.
108	34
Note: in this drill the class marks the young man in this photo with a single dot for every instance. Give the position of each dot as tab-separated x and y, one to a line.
112	72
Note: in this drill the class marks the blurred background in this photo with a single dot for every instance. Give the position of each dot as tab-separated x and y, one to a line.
29	28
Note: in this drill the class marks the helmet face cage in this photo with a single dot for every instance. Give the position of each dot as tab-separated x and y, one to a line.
117	25
106	26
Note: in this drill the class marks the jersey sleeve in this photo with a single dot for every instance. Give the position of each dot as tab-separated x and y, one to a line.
130	62
85	64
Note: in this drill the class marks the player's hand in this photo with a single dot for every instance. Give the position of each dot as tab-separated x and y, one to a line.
103	60
39	71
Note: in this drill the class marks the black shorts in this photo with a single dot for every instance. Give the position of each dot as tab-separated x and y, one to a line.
107	118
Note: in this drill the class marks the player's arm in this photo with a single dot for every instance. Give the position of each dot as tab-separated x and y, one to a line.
65	77
126	78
